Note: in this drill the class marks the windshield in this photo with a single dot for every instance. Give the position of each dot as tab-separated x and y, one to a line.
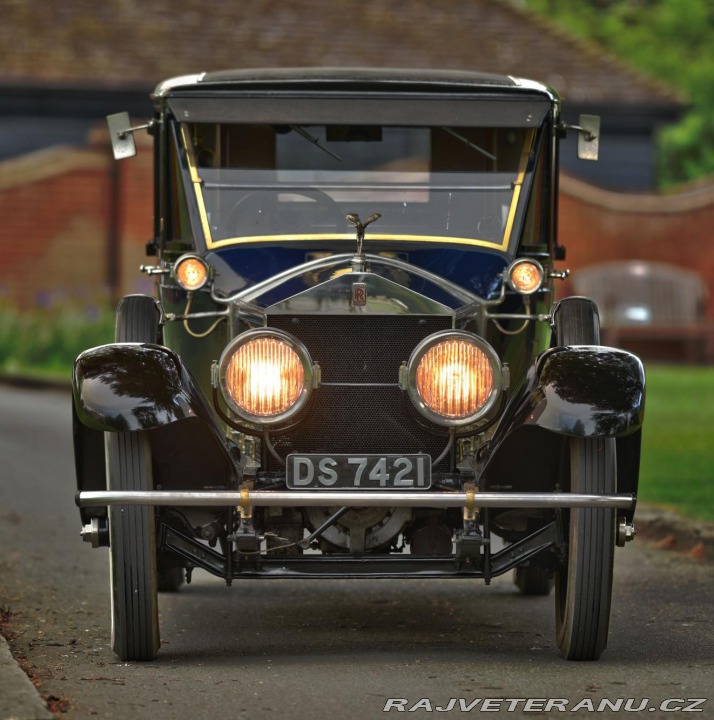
262	183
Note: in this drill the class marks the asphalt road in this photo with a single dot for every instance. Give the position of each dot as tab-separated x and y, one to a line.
319	649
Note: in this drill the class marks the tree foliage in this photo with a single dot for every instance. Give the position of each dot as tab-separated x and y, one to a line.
669	39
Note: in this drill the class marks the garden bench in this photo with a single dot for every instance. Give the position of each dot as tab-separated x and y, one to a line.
649	302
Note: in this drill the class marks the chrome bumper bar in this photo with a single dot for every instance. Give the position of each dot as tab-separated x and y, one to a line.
354	498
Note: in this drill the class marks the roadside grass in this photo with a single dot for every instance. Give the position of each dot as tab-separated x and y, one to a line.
677	468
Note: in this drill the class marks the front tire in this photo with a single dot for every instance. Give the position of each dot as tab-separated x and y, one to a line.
583	587
132	551
138	319
577	322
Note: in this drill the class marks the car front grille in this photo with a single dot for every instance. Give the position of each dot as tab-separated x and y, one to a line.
365	416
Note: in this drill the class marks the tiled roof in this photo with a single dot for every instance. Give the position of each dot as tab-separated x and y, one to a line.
136	43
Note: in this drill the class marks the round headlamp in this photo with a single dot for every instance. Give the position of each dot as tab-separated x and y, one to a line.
454	378
265	376
191	272
525	276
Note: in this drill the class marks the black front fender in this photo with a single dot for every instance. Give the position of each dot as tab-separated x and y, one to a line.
583	391
578	391
127	387
134	386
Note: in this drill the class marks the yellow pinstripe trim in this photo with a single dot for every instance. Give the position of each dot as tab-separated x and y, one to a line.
196	181
518	185
317	237
512	214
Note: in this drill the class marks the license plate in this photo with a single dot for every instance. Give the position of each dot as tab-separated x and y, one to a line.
355	472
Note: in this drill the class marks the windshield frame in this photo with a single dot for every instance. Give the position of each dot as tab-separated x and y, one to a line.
514	220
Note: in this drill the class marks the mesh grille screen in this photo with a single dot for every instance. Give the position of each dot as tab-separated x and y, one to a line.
361	349
364	349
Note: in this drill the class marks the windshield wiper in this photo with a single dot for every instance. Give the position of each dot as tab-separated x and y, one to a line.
468	142
304	133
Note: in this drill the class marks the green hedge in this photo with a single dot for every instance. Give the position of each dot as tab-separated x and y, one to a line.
47	340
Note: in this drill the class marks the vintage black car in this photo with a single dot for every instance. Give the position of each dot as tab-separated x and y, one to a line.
354	365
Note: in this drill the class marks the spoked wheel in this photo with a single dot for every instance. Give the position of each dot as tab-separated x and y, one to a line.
583	587
132	551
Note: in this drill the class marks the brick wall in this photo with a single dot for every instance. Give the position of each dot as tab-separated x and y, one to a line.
56	210
598	225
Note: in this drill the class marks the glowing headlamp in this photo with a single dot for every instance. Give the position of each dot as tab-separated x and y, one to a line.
453	378
265	376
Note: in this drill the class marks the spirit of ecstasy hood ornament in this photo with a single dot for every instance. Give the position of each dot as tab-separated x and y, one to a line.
358	262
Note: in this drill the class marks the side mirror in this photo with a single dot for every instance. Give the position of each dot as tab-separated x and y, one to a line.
588	137
122	135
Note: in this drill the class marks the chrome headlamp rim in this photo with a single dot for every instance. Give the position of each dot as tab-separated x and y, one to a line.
305	360
413	365
191	256
514	265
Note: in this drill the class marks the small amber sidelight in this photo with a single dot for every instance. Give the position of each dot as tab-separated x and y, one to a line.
265	377
191	274
454	379
526	277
